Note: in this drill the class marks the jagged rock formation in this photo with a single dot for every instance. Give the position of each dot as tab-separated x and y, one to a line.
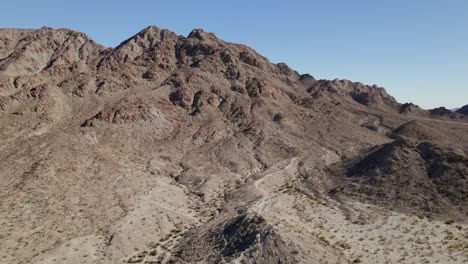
444	112
411	109
173	149
241	239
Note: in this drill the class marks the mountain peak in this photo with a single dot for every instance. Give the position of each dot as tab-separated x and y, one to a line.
201	34
146	37
150	30
27	52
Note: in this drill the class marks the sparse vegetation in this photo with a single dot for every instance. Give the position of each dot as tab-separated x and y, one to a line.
325	240
343	245
449	222
153	244
135	260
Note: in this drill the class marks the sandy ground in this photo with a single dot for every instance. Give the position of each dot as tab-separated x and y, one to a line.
364	233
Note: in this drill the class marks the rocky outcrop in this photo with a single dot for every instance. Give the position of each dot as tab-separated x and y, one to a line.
463	110
28	52
247	238
409	176
371	96
412	109
445	113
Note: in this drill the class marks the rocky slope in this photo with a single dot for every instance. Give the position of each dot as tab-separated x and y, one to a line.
463	110
173	149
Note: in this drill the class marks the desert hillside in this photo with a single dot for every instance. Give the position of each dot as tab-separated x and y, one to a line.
174	149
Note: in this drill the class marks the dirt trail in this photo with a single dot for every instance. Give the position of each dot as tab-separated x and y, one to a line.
266	191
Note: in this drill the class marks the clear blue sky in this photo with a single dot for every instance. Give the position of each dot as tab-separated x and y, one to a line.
417	50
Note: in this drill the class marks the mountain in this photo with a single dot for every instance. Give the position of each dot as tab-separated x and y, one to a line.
173	149
463	110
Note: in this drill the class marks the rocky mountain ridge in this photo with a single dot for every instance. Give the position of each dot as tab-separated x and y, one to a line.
137	153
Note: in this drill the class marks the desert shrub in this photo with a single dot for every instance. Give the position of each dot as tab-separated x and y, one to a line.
449	222
325	240
135	260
